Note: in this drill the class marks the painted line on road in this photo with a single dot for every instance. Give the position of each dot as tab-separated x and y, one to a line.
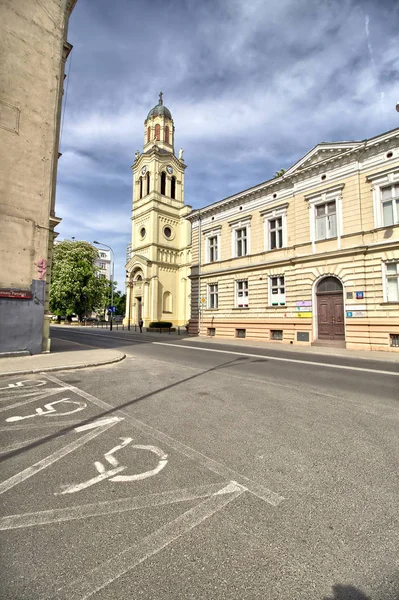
47	394
225	472
92	582
280	359
52	458
72	513
33	425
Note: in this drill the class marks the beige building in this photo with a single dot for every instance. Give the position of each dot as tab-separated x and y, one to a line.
33	50
309	257
159	261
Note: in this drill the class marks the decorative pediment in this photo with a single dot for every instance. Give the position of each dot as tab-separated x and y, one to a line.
320	153
137	261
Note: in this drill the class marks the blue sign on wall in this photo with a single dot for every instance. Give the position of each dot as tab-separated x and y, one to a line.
359	295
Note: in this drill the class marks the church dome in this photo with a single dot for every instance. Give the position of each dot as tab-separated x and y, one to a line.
159	110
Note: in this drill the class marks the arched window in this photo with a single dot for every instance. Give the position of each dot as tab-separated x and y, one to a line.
157	131
163	183
173	187
167	134
141	186
329	284
148	182
167	302
148	134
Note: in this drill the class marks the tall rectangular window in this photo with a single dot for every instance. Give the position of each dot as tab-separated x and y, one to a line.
213	299
392	281
390	205
277	290
326	220
213	248
276	233
242	293
241	241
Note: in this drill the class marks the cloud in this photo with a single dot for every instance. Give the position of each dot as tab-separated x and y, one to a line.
252	86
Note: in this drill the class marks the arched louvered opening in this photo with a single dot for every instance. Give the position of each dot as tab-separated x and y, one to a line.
167	134
163	183
148	182
157	131
173	187
141	187
148	134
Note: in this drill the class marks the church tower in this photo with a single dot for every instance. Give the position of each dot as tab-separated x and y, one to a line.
158	263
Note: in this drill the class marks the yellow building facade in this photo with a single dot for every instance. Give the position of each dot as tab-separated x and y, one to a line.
309	257
159	261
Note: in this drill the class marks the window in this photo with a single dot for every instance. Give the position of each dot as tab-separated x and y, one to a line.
325	213
276	233
242	293
213	301
102	265
148	182
167	134
241	242
173	187
141	186
103	255
163	183
157	131
390	205
148	134
167	232
211	331
241	333
277	290
213	248
276	334
326	220
392	281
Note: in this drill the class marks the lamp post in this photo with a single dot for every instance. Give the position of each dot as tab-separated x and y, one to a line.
112	279
129	284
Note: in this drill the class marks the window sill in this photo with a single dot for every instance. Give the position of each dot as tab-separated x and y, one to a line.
284	306
393	304
211	309
326	240
240	308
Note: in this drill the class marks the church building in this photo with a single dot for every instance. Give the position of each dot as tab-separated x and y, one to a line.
159	261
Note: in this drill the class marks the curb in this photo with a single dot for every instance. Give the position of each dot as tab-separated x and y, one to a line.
64	367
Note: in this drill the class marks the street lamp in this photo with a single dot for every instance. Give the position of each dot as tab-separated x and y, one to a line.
112	279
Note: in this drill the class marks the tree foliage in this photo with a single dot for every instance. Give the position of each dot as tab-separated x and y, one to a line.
75	285
279	173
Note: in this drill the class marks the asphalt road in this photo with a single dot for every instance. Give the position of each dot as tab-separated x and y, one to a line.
194	470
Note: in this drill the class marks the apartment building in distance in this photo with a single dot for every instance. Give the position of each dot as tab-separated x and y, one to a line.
103	263
309	257
33	50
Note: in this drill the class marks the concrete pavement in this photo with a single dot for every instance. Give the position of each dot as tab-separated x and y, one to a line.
64	355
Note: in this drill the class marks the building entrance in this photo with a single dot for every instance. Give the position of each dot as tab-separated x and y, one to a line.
330	310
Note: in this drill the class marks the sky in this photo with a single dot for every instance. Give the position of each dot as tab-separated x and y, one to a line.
252	86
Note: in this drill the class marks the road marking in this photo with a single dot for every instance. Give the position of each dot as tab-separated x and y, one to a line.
216	467
50	411
281	359
101	427
112	473
38	396
95	580
25	383
34	425
58	515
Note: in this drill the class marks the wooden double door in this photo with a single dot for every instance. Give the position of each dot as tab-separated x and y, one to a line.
330	310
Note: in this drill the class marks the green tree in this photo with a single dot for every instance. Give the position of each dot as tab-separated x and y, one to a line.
75	285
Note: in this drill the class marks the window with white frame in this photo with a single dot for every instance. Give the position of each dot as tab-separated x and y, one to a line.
326	220
242	293
277	290
213	295
102	265
326	215
275	227
212	245
390	204
213	248
240	237
385	188
241	242
392	281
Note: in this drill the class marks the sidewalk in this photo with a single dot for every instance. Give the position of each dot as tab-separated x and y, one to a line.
64	355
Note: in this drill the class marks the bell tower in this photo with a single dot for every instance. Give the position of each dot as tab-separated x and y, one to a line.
158	268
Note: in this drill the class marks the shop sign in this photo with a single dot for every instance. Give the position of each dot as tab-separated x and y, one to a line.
307	315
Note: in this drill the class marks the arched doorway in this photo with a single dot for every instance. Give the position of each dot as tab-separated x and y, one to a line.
330	310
